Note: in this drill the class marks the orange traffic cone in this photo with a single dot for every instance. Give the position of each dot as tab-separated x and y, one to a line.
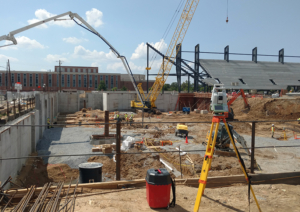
186	140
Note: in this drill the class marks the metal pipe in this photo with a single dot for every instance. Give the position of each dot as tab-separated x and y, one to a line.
118	151
252	147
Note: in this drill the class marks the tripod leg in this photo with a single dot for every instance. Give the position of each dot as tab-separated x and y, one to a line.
242	166
206	165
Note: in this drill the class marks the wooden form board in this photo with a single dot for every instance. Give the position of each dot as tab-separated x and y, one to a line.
292	178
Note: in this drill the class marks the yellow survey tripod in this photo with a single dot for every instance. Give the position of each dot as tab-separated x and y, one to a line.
208	159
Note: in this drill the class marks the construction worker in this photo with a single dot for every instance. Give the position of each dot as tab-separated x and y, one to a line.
48	123
298	120
272	130
118	117
126	118
131	119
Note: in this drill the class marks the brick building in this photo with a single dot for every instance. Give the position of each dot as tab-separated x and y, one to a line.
80	78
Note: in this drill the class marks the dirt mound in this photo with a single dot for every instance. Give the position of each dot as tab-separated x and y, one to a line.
267	108
133	166
35	172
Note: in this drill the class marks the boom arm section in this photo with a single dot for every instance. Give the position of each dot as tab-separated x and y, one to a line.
11	37
241	92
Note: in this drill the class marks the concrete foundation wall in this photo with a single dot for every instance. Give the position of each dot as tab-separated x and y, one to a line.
114	101
68	102
110	100
18	141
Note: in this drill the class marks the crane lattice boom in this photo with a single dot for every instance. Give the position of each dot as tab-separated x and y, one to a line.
178	36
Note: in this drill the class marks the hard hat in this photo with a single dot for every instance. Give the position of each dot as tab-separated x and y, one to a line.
272	124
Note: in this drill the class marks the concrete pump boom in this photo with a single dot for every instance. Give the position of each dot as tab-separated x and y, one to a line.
11	37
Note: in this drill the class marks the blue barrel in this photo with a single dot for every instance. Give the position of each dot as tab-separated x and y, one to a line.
90	172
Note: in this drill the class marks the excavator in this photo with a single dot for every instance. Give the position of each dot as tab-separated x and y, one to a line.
148	102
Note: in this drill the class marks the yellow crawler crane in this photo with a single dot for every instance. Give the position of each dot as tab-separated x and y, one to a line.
178	36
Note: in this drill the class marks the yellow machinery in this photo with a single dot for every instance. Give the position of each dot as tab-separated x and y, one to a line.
178	36
209	156
181	130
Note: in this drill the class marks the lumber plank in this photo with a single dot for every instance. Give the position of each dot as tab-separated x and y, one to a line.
292	178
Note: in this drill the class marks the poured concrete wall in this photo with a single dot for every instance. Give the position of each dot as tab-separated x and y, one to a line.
18	141
68	102
118	101
94	100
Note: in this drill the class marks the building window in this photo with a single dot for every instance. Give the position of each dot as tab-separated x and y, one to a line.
12	80
117	82
74	81
68	80
89	70
79	80
101	78
50	80
62	69
96	82
19	77
36	80
95	71
111	81
91	81
42	79
73	69
24	80
84	81
30	80
106	81
84	71
62	80
68	69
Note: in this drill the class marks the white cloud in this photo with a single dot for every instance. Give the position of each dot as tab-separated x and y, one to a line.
26	43
74	40
4	58
94	17
114	66
42	14
80	51
43	69
141	50
55	58
118	66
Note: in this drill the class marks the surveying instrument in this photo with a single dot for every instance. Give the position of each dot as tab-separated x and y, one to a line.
220	111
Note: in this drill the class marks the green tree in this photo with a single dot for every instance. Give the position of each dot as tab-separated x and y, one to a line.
167	87
174	86
114	89
102	86
123	88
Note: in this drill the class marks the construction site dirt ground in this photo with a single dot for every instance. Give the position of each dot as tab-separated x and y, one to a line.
76	140
278	197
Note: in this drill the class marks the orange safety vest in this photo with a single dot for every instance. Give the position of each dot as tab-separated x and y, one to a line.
272	129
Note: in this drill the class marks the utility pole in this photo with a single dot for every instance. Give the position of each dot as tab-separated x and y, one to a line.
59	81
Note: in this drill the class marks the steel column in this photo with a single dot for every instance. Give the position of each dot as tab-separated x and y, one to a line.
189	83
118	151
106	127
226	53
281	56
254	55
147	68
178	66
196	80
252	147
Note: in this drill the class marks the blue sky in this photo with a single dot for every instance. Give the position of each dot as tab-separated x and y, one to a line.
267	24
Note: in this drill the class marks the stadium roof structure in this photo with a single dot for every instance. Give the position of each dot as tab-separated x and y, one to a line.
237	74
